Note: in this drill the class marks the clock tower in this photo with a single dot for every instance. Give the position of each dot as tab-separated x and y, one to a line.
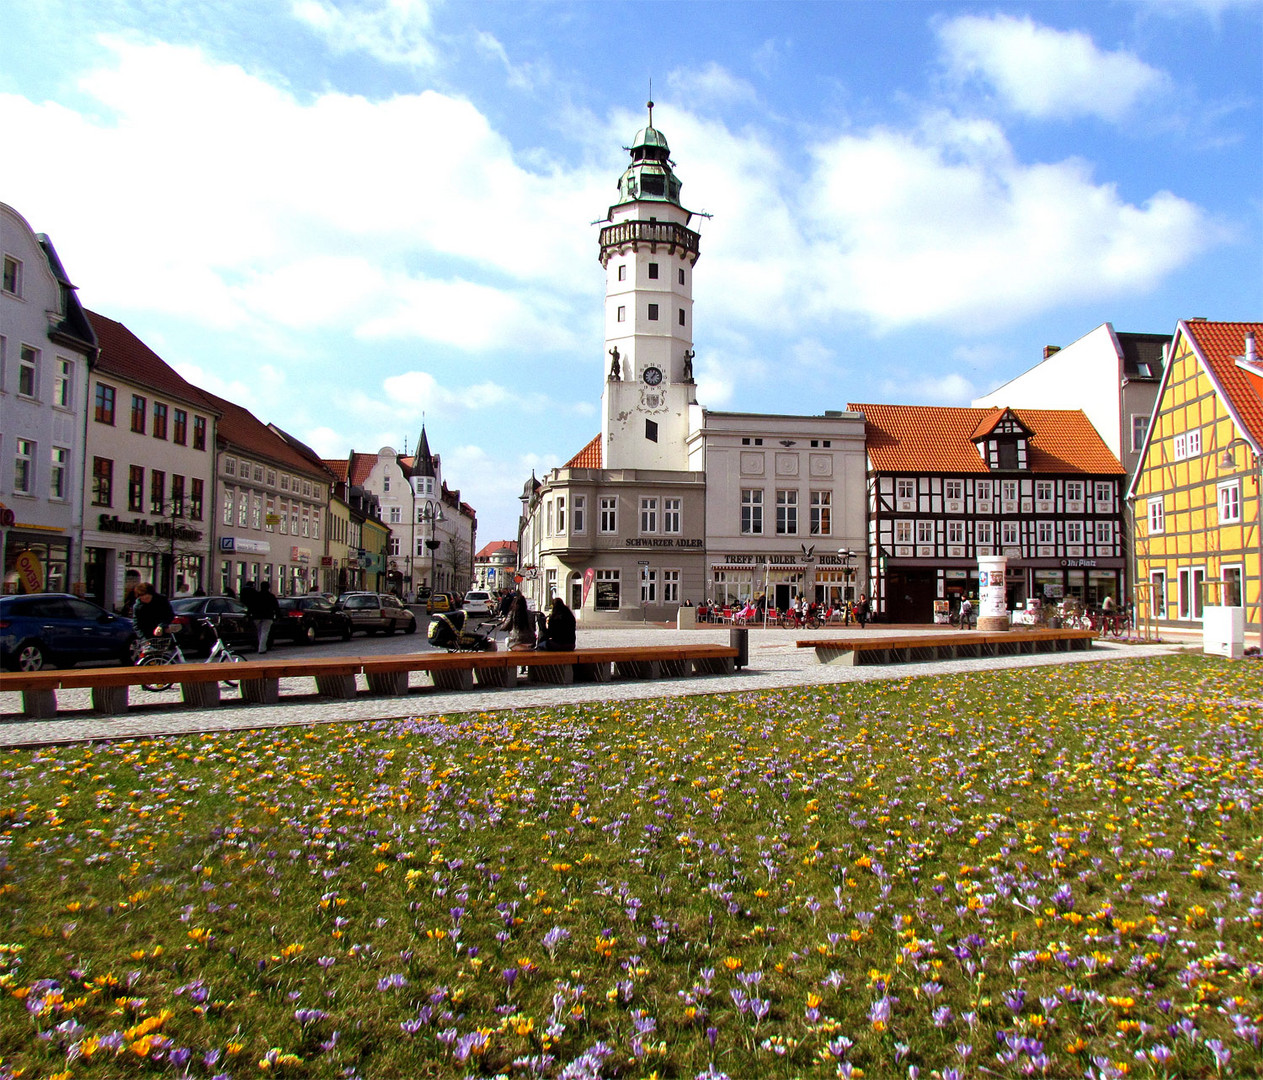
648	252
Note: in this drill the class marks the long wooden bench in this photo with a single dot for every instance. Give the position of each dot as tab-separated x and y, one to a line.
938	645
335	677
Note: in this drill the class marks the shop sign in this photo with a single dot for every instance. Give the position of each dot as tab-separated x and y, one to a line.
273	519
163	530
243	546
663	542
31	571
7	516
1078	562
300	555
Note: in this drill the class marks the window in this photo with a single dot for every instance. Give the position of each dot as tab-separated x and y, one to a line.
752	511
1179	447
199	433
578	518
306	522
230	466
609	514
102	482
256	516
159	420
953	490
315	525
606	582
681	272
283	515
1074	491
12	276
24	468
396	515
1043	490
905	489
622	271
1104	496
158	491
104	411
982	490
293	519
1157	516
1189	591
671	515
786	512
548	518
306	487
1008	490
195	499
982	533
1139	431
648	515
651	430
653	271
64	383
821	513
139	413
1158	584
394	543
136	488
1074	532
925	532
681	316
1232	585
622	313
180	434
648	585
1008	533
1104	532
258	474
1230	502
57	473
903	532
1194	442
561	514
1044	532
653	312
227	506
670	586
955	532
271	481
269	520
177	495
28	372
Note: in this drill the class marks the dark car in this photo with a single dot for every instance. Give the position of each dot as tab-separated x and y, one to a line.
231	619
47	629
305	618
371	612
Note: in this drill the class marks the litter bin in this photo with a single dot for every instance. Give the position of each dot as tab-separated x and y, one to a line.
739	639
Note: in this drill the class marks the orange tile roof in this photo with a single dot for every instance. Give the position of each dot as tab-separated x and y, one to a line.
1221	345
337	466
589	457
125	356
936	439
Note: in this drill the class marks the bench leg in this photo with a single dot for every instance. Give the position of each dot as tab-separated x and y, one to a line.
595	673
200	695
499	677
638	669
39	704
455	679
261	691
836	657
674	669
388	683
722	665
552	674
109	700
335	686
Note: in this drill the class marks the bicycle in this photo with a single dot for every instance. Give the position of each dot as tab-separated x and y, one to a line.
163	650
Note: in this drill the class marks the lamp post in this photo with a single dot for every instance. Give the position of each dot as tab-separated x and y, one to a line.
1228	460
431	516
848	571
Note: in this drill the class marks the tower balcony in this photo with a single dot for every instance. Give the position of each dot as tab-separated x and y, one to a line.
667	234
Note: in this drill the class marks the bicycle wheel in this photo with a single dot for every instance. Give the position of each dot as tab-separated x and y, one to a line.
1118	626
155	661
227	657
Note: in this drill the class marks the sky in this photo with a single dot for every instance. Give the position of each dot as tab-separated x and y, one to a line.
348	215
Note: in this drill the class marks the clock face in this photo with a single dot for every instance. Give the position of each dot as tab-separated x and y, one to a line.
652	376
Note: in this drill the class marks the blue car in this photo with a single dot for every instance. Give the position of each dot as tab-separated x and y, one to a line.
59	630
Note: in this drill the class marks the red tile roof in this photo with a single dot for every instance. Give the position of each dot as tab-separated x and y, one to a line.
337	466
125	356
497	545
936	438
1221	345
240	428
589	457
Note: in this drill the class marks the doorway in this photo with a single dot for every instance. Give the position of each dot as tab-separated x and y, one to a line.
910	595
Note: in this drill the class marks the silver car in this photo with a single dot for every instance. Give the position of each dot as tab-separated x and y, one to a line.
372	612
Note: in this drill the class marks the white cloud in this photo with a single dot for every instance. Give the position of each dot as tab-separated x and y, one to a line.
1047	73
710	84
948	388
392	31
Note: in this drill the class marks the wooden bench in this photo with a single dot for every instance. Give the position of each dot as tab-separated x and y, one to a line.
938	645
386	675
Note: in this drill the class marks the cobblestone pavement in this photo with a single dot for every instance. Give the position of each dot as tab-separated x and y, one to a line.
774	663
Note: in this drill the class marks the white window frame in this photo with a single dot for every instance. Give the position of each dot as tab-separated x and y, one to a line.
1229	499
1157	516
1139	430
751	511
1104	496
786	511
982	490
670	586
1074	491
648	585
1189	591
1195	443
648	515
1179	447
1043	491
578	514
28	362
955	531
226	516
905	488
925	532
1104	533
953	490
1074	532
561	516
59	474
1044	533
11	281
1233	576
983	533
821	523
903	531
672	516
1010	534
1008	491
64	384
24	451
608	523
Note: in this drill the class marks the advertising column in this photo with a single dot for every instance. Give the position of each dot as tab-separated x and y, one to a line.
993	611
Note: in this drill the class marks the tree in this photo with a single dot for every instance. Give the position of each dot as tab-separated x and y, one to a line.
458	558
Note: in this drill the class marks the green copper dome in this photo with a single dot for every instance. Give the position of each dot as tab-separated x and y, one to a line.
649	176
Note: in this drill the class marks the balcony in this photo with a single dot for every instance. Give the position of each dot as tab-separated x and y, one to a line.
655	233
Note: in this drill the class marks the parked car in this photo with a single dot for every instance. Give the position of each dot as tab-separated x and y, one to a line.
371	612
46	629
305	618
442	601
229	617
478	602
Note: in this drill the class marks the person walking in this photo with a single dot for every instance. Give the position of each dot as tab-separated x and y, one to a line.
862	610
265	610
559	635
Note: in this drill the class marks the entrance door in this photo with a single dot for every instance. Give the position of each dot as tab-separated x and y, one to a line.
910	595
782	595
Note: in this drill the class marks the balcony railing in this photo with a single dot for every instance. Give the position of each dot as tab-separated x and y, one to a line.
649	232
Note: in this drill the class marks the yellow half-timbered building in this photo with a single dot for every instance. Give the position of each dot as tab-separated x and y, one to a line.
1199	528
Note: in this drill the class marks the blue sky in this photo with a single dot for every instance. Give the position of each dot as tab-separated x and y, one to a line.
343	214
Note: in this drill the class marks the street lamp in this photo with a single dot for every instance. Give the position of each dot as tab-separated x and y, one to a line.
431	516
848	571
1228	460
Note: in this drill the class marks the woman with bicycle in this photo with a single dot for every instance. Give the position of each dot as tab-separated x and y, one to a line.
152	613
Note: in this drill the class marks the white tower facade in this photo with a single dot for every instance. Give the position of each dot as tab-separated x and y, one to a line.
648	252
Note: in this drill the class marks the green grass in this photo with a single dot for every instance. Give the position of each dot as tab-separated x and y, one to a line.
1053	871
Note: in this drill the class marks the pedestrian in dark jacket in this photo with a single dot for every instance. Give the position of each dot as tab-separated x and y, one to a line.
152	612
265	610
560	633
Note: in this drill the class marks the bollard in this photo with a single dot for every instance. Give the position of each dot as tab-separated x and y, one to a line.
739	639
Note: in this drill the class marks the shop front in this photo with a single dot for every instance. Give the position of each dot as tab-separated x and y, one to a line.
740	578
119	554
243	559
1089	581
36	560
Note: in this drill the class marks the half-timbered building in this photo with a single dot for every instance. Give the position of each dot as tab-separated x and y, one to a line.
949	485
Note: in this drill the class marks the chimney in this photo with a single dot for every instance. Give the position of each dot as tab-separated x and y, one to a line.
1049	350
1251	357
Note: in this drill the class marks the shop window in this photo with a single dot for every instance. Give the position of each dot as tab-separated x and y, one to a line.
606	584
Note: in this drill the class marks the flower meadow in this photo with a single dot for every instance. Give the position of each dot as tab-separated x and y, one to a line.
1048	872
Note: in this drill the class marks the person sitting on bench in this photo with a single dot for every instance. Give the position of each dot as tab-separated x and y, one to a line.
560	633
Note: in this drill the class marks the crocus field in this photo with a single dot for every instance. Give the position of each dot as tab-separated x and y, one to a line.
1044	872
